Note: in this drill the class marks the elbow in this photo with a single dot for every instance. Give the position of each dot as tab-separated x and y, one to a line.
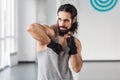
77	69
30	28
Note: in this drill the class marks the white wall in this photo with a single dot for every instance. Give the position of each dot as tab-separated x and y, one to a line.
0	43
26	16
41	11
0	26
51	12
99	32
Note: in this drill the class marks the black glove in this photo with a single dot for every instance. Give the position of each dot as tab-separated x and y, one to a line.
71	44
56	47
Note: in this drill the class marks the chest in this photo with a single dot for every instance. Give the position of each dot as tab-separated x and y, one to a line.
62	41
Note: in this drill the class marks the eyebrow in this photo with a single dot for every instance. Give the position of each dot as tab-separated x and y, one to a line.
64	19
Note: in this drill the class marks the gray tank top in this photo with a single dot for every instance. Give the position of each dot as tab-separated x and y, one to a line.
52	66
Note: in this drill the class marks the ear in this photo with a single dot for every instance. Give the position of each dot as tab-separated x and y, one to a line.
74	19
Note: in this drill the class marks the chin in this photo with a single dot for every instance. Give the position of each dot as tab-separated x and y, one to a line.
62	33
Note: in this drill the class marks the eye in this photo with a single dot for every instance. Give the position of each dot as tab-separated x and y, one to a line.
66	20
59	19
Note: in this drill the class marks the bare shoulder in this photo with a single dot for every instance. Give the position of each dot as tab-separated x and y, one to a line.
78	43
50	31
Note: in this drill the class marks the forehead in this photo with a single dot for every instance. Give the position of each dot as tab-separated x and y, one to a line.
64	15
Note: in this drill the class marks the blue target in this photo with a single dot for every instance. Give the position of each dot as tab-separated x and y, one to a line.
103	5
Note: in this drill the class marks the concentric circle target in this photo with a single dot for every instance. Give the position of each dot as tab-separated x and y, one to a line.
103	5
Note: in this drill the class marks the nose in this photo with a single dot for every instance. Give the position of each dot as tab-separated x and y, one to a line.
62	23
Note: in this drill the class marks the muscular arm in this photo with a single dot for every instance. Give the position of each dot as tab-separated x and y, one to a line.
76	60
42	34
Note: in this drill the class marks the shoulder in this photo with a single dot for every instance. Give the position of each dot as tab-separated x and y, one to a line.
78	43
51	28
51	31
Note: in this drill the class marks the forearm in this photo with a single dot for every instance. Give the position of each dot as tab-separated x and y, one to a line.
76	62
37	31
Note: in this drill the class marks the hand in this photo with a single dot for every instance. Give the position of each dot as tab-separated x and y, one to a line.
71	44
56	47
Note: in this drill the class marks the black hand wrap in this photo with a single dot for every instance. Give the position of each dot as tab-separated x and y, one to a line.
56	47
71	44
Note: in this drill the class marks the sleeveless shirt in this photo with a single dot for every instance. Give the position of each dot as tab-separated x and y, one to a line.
52	66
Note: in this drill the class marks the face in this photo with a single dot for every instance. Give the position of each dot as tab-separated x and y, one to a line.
64	22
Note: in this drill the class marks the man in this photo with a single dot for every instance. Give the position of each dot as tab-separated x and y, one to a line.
56	46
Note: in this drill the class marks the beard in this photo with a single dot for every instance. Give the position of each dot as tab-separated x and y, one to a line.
63	32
